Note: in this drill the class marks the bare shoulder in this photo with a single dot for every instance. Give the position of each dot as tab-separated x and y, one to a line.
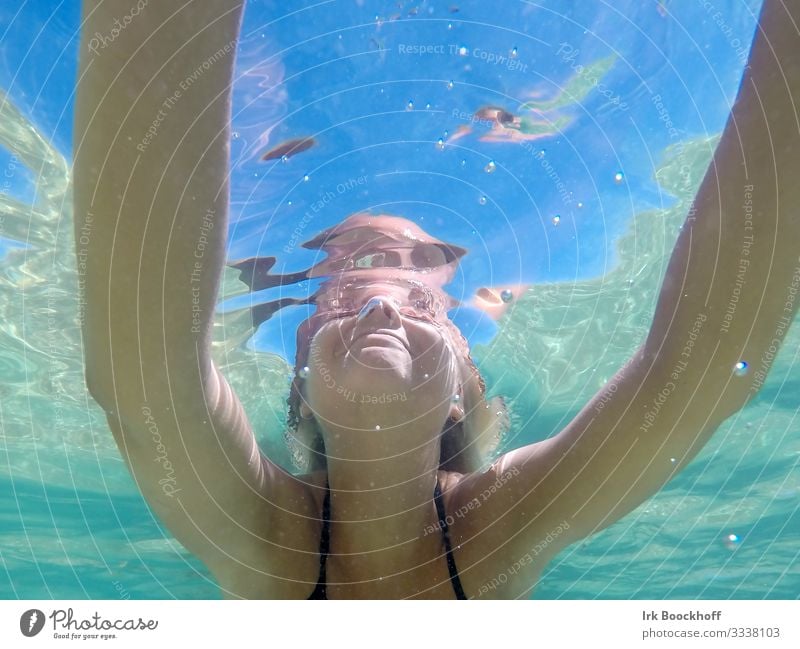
496	556
284	562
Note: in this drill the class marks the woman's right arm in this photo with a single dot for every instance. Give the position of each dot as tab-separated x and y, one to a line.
151	145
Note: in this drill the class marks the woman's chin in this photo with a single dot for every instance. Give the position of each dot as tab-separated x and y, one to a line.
374	363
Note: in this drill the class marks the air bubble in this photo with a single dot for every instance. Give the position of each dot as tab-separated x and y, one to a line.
506	296
303	372
450	85
619	177
306	178
732	541
377	427
284	159
410	105
490	167
740	369
482	200
456	398
556	219
463	50
513	53
463	163
235	135
440	144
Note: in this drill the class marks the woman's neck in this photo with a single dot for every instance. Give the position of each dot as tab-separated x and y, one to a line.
389	496
383	521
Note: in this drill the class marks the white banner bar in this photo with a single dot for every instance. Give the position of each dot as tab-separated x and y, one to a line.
367	624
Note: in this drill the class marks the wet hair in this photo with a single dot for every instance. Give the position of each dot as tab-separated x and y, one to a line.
465	444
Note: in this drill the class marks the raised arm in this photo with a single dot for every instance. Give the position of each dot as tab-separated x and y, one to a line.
730	293
151	198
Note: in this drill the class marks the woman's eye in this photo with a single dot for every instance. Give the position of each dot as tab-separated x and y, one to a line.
383	259
370	261
426	255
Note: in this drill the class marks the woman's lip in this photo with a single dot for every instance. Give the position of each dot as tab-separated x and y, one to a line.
381	334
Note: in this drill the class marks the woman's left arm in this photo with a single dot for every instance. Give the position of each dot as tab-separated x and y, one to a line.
731	291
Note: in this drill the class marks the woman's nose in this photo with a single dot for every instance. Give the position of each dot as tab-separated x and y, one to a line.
381	311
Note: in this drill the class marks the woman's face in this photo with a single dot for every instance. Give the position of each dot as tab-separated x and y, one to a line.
383	368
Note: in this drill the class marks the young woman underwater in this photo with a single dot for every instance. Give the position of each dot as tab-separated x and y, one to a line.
395	502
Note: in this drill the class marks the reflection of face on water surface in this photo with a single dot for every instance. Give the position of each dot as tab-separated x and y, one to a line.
379	335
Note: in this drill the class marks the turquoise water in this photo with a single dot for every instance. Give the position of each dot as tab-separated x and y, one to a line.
72	524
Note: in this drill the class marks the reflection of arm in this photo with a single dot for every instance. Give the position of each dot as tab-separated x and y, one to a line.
659	411
151	192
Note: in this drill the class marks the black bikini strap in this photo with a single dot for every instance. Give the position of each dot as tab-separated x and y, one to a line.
324	546
455	580
325	537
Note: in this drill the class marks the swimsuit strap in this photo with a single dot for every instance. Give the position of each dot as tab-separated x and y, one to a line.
455	580
325	539
324	545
